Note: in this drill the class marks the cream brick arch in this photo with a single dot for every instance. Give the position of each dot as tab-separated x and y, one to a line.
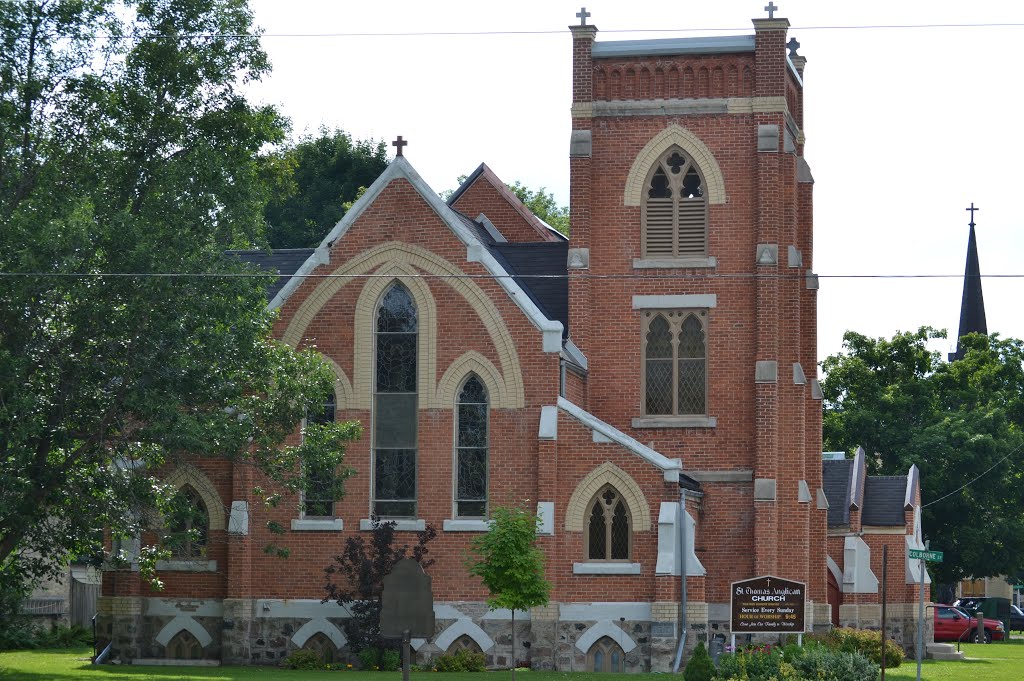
187	474
365	321
674	135
473	362
417	260
607	474
342	386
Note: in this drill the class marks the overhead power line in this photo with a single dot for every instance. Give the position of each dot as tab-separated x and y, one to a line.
976	479
449	34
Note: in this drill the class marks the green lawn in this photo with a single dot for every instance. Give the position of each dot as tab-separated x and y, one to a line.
995	662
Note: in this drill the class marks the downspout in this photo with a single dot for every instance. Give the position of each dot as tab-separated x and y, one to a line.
686	486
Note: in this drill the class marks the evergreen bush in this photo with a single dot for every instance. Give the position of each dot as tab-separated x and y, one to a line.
700	667
461	661
867	643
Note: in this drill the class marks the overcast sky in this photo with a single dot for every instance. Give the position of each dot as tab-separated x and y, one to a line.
905	126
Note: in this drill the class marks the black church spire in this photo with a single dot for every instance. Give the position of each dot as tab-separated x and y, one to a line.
972	305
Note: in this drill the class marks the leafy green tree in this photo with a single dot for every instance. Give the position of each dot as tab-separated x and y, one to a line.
508	562
320	178
956	421
543	205
128	162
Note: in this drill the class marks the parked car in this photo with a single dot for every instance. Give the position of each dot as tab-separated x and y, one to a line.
1016	619
953	624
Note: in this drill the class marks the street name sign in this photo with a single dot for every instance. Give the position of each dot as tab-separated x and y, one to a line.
921	554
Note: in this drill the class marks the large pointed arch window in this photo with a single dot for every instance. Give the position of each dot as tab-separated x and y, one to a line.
675	210
675	363
608	526
188	525
471	450
395	405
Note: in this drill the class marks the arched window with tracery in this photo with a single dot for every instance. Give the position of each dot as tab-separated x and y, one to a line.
675	363
605	656
184	646
675	210
464	642
395	405
471	450
609	528
188	525
322	646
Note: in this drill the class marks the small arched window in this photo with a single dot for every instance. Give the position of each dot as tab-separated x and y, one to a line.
322	646
609	530
675	363
464	642
605	656
675	212
184	646
395	405
189	525
471	450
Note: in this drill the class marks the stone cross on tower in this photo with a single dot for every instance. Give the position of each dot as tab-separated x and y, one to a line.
399	143
770	8
793	46
582	16
972	209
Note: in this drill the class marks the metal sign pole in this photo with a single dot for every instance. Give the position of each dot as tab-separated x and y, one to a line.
920	619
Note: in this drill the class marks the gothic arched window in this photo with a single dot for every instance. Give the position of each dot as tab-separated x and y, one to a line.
318	499
184	646
675	212
322	646
609	528
605	656
188	524
463	642
471	450
675	363
395	405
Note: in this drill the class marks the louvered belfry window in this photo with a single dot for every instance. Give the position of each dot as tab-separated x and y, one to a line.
675	212
608	528
675	363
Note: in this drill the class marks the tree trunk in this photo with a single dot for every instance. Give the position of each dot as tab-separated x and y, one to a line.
513	644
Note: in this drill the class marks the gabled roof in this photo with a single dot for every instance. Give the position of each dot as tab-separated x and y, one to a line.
835	482
883	500
544	231
283	261
543	274
476	248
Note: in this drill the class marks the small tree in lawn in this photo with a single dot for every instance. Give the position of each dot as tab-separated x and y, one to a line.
510	565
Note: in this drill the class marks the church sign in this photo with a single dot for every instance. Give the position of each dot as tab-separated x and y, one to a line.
768	605
407	602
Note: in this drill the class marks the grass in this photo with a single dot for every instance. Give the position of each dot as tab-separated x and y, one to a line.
995	662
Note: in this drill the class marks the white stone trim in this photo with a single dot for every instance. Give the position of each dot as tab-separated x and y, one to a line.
599	631
298	608
678	136
187	623
238	521
822	500
187	474
506	614
660	461
187	565
463	627
671	263
913	566
401	524
546	514
172	607
466	525
833	567
676	302
594	568
576	511
668	542
635	611
599	438
857	575
400	168
317	524
803	494
319	626
548	429
675	422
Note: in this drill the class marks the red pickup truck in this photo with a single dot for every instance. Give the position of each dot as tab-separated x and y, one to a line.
952	624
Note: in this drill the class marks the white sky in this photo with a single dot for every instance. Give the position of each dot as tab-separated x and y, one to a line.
905	126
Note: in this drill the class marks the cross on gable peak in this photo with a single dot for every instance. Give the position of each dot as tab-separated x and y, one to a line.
582	16
399	143
771	8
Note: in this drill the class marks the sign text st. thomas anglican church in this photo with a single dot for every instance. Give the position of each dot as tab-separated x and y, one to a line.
768	605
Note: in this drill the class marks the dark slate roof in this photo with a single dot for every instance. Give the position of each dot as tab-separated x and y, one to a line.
835	481
883	500
972	304
284	261
549	293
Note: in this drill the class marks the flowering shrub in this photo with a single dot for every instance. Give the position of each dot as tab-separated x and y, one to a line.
820	662
461	661
867	643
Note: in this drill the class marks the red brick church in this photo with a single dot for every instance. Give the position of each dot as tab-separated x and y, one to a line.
667	350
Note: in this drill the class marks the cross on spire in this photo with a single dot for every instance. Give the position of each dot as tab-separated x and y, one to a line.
972	209
399	143
582	16
770	8
793	46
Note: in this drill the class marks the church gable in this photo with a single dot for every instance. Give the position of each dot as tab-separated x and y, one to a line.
484	193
